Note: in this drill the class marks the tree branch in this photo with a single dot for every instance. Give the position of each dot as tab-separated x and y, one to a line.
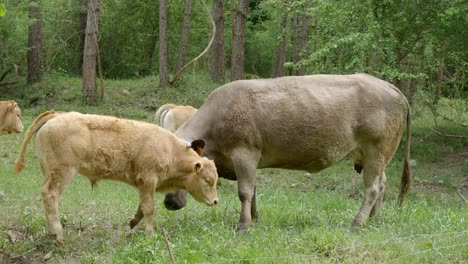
213	32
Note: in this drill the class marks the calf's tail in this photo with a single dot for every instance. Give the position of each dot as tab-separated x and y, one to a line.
37	124
406	176
161	113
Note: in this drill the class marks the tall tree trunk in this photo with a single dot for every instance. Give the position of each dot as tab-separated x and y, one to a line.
217	64
279	69
304	39
238	39
295	43
440	75
185	35
90	95
34	57
151	49
163	55
83	14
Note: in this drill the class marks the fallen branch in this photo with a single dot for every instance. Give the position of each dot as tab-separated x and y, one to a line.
461	196
168	246
448	135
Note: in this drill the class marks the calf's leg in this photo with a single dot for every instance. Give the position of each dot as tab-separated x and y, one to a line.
137	218
52	188
147	207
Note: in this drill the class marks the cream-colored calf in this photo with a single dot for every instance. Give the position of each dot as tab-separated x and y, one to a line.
171	116
102	147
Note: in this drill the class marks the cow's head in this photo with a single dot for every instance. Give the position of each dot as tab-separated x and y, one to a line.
203	185
12	119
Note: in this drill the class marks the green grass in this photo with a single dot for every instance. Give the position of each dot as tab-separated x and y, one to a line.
304	218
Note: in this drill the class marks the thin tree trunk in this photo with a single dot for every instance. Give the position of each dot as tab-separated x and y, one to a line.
90	95
238	39
304	39
440	75
295	43
185	35
151	49
163	54
279	69
34	56
83	13
217	64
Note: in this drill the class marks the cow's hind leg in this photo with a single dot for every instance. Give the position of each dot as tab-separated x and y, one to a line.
375	212
53	186
245	165
373	172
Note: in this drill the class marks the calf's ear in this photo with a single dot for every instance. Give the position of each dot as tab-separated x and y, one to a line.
198	145
12	106
197	166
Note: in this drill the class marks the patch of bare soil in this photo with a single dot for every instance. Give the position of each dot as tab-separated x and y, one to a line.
27	258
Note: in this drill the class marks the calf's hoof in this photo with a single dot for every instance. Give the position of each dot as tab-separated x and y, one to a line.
133	223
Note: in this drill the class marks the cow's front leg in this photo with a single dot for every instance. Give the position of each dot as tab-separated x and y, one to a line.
147	207
253	207
137	218
245	163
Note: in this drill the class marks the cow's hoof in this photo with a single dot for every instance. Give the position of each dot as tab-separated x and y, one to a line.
355	225
241	231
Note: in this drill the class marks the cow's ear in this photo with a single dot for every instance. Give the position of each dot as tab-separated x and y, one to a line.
197	166
198	145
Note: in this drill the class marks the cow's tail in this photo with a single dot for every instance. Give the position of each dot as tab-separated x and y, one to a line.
406	176
161	113
37	124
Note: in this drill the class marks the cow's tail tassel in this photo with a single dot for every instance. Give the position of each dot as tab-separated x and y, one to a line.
37	124
406	176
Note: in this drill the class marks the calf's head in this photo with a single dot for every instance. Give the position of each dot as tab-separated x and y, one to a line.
203	184
12	119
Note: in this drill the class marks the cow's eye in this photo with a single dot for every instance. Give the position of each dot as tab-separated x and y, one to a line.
208	181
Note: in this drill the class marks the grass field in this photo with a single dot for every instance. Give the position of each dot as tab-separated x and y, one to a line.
304	218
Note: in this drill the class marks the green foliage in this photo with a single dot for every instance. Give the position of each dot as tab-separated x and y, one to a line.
2	10
304	218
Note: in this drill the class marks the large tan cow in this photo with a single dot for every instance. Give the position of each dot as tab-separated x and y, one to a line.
302	123
102	147
10	118
171	116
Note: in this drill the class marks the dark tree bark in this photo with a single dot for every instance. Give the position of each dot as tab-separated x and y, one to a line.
83	14
217	64
90	95
238	39
295	43
185	35
304	40
163	54
279	69
34	56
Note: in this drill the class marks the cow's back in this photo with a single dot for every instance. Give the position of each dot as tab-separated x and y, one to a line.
306	122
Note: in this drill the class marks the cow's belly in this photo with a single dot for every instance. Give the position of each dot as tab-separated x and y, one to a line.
312	161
